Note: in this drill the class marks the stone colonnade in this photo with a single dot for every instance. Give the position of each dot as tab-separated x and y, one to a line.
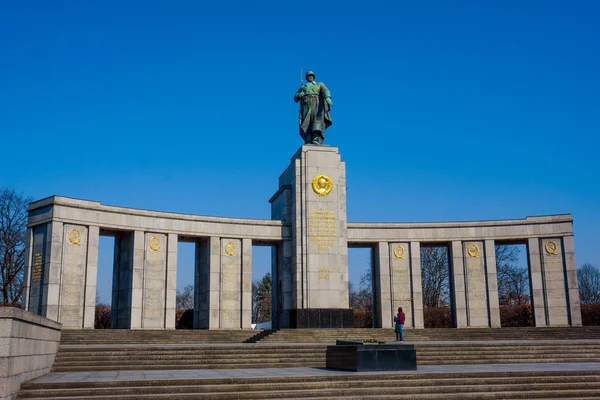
62	266
473	277
310	236
62	269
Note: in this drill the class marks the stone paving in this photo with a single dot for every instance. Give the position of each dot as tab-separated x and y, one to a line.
296	372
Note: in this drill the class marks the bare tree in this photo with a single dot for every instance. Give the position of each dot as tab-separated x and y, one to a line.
435	273
361	298
185	299
513	280
13	235
261	299
588	279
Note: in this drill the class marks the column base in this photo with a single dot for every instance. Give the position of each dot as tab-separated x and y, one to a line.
321	318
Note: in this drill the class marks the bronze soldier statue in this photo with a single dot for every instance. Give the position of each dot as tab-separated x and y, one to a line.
315	104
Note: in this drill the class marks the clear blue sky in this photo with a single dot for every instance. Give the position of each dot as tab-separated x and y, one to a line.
443	111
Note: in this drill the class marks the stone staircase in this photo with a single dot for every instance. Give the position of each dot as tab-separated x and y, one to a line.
219	365
144	357
458	385
126	336
416	335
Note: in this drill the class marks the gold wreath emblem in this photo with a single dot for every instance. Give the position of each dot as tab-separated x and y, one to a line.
473	250
230	249
322	185
551	247
399	252
74	236
154	243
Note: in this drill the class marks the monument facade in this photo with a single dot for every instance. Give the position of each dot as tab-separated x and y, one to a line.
309	235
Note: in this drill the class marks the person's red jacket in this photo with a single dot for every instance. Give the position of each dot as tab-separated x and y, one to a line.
402	317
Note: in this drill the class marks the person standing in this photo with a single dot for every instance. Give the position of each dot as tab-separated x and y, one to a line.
399	328
315	104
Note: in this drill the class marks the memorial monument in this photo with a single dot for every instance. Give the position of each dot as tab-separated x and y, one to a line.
309	235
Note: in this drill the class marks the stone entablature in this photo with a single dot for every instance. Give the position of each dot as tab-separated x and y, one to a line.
499	230
92	213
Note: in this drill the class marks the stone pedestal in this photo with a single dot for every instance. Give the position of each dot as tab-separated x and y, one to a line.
312	199
360	357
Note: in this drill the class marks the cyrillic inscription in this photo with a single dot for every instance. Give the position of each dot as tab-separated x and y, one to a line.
322	228
36	273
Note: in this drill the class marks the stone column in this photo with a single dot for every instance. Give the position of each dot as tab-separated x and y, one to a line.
73	276
91	277
401	282
246	309
457	281
231	283
137	280
572	285
555	286
416	284
475	284
536	281
28	267
37	270
383	313
207	288
492	283
52	270
171	302
154	282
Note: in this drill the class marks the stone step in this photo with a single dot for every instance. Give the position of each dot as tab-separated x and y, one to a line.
192	356
258	356
574	384
202	366
321	335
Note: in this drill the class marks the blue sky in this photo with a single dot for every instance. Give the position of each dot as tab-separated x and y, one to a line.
443	111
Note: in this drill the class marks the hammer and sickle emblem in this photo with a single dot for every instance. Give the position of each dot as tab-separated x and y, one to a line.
74	236
154	243
473	250
230	249
551	247
399	252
